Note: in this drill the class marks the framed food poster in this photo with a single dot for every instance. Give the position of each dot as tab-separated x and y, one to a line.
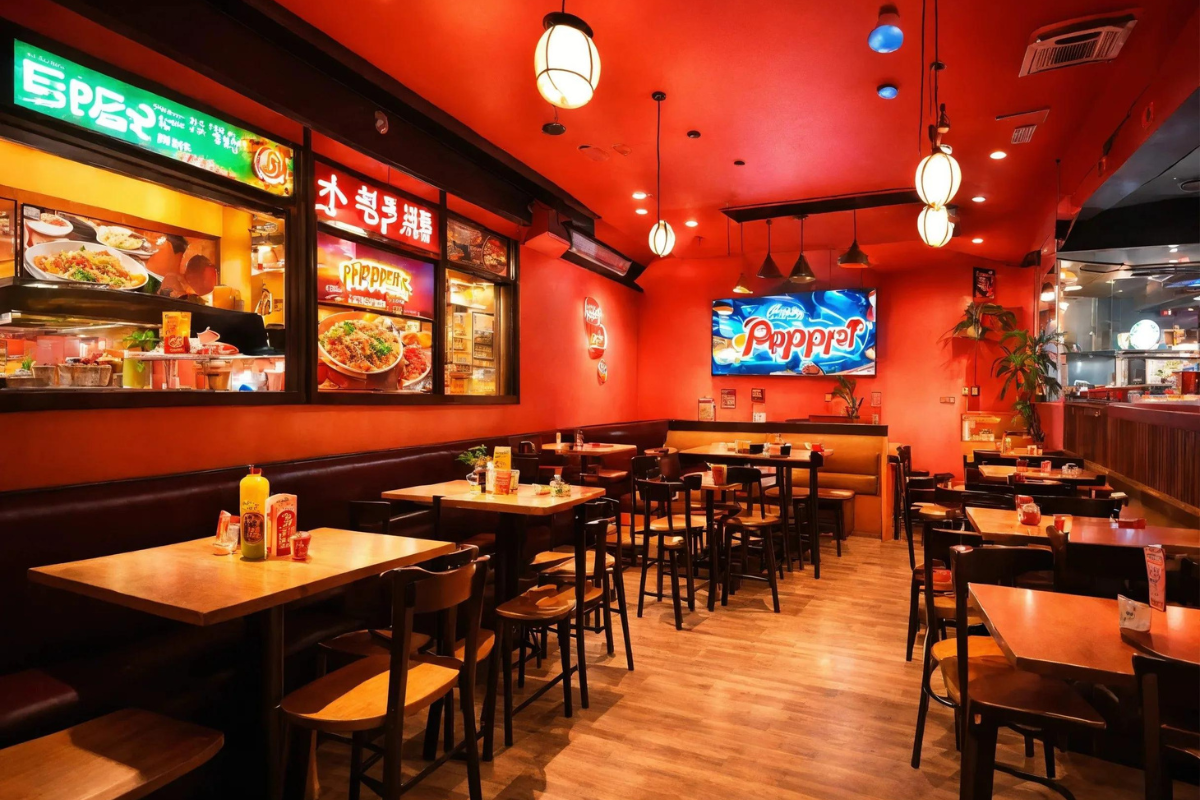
472	245
729	398
707	411
983	284
758	395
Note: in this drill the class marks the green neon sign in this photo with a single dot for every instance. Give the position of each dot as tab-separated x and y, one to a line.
60	88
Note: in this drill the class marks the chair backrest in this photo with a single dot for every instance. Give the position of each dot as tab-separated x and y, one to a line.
998	566
371	516
1170	700
750	479
938	543
417	590
608	511
945	496
1037	488
1080	506
662	494
529	467
527	448
989	500
670	467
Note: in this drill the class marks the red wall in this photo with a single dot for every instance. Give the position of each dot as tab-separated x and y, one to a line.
558	389
916	363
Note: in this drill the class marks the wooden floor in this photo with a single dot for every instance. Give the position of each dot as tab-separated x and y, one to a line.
816	702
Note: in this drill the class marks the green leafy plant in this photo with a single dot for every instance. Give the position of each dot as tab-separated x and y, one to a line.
475	456
845	392
978	319
1026	367
27	363
144	339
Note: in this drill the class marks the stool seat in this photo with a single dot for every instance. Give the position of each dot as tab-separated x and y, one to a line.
754	520
609	474
935	512
977	668
567	568
1026	697
539	604
979	647
354	698
548	559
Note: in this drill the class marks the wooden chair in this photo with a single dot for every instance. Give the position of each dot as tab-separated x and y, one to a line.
672	536
604	571
1080	506
989	500
831	501
991	697
936	592
1170	700
749	527
1035	487
121	756
377	693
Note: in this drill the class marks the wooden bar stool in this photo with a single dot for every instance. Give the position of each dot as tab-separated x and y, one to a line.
748	527
672	535
377	693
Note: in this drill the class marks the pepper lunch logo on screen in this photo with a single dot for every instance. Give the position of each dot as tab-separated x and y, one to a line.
813	333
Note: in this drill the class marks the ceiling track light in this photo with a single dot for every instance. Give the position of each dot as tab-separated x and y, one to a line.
769	269
801	270
566	62
662	238
854	258
886	36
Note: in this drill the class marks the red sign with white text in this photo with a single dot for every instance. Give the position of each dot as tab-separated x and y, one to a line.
594	325
354	204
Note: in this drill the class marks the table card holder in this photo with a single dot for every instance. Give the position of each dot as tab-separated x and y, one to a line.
1156	575
1132	615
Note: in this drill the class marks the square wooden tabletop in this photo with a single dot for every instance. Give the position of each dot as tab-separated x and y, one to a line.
187	582
1002	472
596	449
798	456
1073	637
998	523
460	494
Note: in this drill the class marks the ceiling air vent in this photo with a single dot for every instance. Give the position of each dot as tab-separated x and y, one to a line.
1086	41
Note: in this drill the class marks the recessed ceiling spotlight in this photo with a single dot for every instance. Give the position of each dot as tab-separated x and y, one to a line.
693	134
691	223
1074	287
1174	248
640	195
886	36
554	128
887	91
739	163
641	211
978	198
996	155
977	240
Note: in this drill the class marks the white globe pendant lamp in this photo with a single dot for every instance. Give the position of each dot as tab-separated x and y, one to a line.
662	238
566	61
938	178
935	226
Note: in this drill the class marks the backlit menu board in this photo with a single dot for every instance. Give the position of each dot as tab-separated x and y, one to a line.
360	206
359	276
59	88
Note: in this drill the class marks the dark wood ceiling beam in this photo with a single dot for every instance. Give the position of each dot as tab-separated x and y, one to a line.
822	205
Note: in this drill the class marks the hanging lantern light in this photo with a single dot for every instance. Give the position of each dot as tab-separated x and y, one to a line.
662	238
935	226
938	178
1047	292
854	258
566	61
769	269
801	271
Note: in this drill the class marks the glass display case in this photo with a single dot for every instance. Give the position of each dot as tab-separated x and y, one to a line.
473	364
983	426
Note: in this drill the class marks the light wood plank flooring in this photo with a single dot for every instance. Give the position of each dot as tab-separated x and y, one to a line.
816	702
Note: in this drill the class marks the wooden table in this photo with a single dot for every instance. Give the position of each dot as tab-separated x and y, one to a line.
188	583
1075	637
799	459
589	449
1000	472
1004	525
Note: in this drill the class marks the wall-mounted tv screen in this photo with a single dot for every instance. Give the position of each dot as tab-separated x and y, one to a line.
809	333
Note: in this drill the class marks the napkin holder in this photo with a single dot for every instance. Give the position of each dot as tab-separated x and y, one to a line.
1132	615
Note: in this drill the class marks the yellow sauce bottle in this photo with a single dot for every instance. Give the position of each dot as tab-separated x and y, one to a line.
255	489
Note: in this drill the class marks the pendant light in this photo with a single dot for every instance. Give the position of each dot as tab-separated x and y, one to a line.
854	258
1047	292
566	61
801	271
935	226
938	177
769	269
662	238
743	285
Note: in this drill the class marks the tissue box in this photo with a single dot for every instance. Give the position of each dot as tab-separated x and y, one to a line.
281	524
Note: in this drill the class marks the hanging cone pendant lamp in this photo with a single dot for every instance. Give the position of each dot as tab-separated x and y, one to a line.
801	271
743	284
769	269
854	258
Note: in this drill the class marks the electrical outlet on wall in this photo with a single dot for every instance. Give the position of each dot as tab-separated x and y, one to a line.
829	397
876	399
948	400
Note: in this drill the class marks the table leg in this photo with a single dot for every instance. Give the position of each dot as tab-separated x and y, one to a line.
812	504
785	503
271	637
510	546
712	550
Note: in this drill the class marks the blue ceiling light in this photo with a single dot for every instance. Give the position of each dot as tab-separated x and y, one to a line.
887	91
886	37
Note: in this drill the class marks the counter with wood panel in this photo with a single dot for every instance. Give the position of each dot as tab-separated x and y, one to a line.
1151	444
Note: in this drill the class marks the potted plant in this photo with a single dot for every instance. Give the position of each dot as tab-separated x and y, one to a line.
477	459
1026	366
976	319
135	373
845	392
23	377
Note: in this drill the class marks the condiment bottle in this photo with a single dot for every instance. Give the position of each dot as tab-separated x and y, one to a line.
255	489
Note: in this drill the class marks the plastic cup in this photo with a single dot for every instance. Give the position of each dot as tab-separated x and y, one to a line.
300	546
